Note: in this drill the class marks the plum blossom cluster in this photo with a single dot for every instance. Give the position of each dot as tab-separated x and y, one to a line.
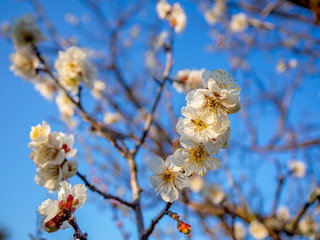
204	132
50	153
173	14
73	66
56	213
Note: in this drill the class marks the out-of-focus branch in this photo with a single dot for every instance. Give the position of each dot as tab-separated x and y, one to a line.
104	195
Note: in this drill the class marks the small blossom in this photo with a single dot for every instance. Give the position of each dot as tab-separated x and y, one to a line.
69	169
239	22
46	87
25	31
74	67
308	226
65	105
55	213
110	118
199	127
297	168
292	63
214	193
24	64
40	132
196	184
239	231
283	213
196	157
167	178
221	95
214	14
98	89
281	66
258	230
177	19
163	9
187	80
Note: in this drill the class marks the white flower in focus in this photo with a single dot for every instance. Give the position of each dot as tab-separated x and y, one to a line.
24	64
281	66
196	184
46	87
196	157
98	89
167	178
163	9
221	96
308	226
239	231
187	80
214	193
258	230
74	66
239	22
40	132
177	18
297	168
47	152
25	31
65	105
283	214
55	213
199	127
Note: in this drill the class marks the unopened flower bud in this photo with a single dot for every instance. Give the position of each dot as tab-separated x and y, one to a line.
184	227
69	168
175	216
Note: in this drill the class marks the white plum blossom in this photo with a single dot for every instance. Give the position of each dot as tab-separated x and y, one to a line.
214	193
308	226
214	14
196	184
50	153
283	213
258	230
281	66
49	176
74	66
47	87
24	64
292	63
163	9
25	32
177	18
239	231
39	133
221	95
55	213
65	105
200	127
297	168
239	22
187	80
98	89
173	14
196	157
167	178
110	118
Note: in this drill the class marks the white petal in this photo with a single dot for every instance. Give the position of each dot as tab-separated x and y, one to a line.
171	195
65	190
49	208
79	192
155	164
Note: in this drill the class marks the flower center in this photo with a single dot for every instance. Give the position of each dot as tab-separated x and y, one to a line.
167	176
214	104
198	154
200	125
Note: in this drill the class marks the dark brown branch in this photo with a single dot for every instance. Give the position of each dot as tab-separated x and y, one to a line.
104	195
154	222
